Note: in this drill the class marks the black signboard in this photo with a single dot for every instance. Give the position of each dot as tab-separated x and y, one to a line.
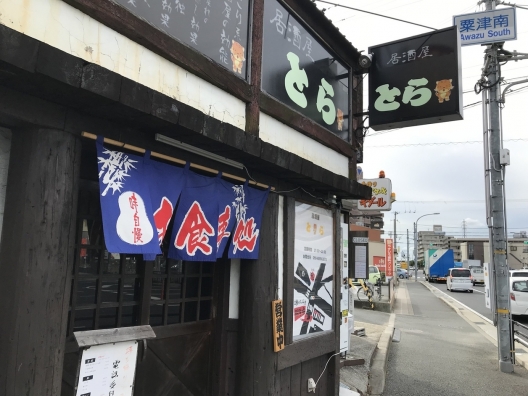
416	81
299	72
216	28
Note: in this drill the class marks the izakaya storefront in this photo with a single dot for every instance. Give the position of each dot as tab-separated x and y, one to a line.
154	182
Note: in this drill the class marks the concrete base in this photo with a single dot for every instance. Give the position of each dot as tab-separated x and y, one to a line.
505	367
378	305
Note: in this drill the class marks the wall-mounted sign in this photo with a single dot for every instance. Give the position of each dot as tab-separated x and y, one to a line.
358	254
437	228
416	81
314	270
217	29
381	194
108	369
277	316
379	261
486	27
360	240
301	73
389	258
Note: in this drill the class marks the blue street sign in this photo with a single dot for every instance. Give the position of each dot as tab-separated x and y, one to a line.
487	27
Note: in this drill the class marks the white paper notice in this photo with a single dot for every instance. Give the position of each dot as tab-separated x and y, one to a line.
361	262
108	369
313	300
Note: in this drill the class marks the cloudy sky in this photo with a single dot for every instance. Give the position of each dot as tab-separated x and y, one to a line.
439	168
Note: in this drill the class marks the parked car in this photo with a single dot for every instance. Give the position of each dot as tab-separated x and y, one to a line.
459	279
521	273
477	275
374	274
402	273
519	296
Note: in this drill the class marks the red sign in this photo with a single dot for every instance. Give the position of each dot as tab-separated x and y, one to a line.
389	257
379	262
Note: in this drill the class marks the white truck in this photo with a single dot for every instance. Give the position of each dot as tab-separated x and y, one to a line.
471	263
477	275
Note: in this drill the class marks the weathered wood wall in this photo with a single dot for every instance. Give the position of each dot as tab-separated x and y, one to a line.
36	260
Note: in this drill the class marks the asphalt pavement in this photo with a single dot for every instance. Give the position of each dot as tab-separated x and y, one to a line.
444	351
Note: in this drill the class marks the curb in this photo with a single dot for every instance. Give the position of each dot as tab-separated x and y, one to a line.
378	366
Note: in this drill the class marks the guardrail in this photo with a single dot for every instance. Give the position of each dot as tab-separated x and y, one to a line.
518	334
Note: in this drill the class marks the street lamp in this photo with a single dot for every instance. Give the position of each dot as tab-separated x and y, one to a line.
416	244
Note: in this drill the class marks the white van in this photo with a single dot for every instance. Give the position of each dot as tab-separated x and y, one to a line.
459	279
477	273
519	296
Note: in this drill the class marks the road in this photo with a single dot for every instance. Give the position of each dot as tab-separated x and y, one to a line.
442	354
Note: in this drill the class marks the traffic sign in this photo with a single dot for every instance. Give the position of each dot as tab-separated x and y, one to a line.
487	27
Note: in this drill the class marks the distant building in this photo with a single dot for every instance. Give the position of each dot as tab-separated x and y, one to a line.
431	240
474	248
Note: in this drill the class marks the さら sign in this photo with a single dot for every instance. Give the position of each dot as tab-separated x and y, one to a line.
416	81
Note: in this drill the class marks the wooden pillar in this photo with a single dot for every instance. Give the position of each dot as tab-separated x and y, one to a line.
36	258
256	363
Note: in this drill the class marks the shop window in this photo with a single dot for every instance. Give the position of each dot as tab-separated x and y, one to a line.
107	288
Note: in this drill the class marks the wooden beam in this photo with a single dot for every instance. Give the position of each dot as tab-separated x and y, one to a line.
36	259
253	107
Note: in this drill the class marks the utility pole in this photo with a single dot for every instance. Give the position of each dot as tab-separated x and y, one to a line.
464	227
496	218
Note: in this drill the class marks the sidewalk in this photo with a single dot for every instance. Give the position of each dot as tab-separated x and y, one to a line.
369	378
482	324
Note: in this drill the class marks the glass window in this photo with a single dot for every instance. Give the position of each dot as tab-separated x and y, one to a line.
460	273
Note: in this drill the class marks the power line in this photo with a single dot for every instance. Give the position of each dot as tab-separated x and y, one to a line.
465	201
441	143
373	13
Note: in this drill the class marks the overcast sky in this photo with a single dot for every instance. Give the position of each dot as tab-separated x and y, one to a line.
446	178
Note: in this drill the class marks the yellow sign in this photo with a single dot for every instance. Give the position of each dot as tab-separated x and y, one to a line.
277	317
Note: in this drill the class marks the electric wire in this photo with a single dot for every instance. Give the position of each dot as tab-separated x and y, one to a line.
374	13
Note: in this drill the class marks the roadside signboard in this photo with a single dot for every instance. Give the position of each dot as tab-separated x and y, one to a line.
389	258
381	195
486	27
487	285
416	81
379	262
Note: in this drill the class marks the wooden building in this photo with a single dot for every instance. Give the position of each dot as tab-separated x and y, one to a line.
269	84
